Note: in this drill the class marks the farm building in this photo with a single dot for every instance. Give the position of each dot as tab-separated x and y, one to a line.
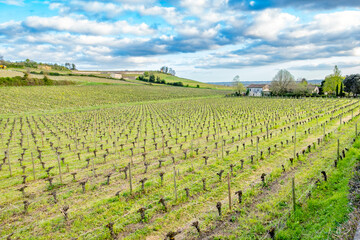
258	90
116	75
313	88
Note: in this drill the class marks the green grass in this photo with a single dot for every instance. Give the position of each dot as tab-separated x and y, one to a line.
328	207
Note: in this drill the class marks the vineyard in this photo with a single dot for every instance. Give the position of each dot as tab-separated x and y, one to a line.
130	163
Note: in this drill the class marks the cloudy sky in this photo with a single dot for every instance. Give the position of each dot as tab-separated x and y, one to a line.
206	40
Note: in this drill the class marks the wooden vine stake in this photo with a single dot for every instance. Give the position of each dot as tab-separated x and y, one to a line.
295	141
130	181
222	148
355	129
257	147
58	160
338	149
175	184
340	119
293	193
93	167
8	158
229	190
33	165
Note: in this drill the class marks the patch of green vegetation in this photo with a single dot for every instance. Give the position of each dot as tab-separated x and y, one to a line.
26	81
328	206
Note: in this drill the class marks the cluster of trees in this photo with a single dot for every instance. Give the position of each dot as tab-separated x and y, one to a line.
167	70
152	79
333	85
33	64
284	84
27	81
352	84
70	66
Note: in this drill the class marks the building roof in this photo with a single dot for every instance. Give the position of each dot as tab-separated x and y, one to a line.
311	87
257	85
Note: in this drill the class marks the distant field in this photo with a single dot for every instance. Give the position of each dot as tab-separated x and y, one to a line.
80	79
10	73
84	79
43	98
102	78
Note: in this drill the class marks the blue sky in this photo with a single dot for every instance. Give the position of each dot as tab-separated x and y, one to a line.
206	40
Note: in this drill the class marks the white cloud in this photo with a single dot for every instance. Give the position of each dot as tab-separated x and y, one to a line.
83	25
268	24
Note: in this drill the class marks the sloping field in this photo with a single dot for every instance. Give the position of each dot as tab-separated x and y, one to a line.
15	100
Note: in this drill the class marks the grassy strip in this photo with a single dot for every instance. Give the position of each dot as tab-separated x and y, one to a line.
328	207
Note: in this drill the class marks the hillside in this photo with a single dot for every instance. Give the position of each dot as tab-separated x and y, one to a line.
107	77
172	79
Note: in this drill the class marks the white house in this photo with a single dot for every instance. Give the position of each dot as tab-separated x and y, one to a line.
258	90
313	88
116	75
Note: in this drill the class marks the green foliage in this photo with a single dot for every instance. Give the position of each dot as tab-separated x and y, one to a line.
152	78
32	64
26	81
352	84
327	208
282	83
332	82
238	86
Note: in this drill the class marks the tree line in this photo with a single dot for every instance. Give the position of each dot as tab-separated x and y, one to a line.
150	78
284	84
27	81
33	64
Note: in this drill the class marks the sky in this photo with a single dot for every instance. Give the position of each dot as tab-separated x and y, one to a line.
205	40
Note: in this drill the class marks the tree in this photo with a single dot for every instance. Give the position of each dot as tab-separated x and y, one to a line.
2	62
238	86
332	82
341	92
152	78
171	71
303	81
73	67
67	65
164	69
337	90
282	83
352	84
